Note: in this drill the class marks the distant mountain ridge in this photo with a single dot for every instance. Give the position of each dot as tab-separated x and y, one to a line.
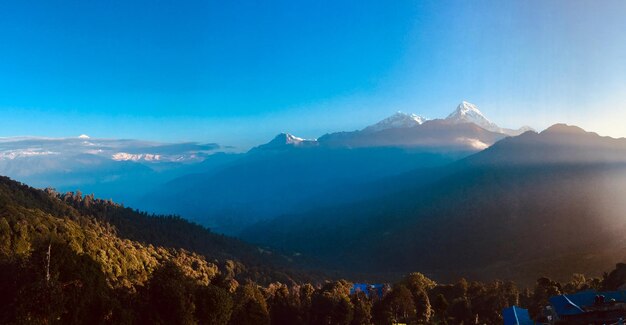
397	120
287	140
460	195
432	135
539	203
558	144
286	174
466	128
231	191
468	113
290	173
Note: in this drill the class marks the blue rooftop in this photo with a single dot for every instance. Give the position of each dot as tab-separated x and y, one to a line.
365	288
566	305
516	316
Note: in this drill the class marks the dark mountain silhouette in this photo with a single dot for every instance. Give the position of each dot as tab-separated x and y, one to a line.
265	183
540	203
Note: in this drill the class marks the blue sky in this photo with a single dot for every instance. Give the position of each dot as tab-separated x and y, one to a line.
238	72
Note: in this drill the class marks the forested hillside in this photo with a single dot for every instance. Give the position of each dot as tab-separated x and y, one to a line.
80	214
72	259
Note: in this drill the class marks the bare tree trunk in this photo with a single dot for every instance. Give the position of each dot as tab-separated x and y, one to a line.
48	265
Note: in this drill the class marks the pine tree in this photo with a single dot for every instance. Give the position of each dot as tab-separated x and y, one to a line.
422	307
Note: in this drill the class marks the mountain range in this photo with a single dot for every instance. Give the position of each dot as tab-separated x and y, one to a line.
539	203
465	129
291	174
461	195
228	191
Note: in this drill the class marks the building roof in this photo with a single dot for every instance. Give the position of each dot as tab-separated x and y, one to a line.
516	316
566	305
365	288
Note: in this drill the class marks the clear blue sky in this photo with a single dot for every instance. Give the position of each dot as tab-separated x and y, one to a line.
238	72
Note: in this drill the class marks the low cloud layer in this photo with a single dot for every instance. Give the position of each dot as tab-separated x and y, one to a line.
115	149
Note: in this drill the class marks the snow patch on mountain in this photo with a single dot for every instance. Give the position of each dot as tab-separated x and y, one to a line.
25	153
124	156
468	113
397	120
286	140
291	139
465	112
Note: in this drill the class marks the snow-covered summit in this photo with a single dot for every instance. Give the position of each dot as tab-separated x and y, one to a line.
397	120
286	140
468	113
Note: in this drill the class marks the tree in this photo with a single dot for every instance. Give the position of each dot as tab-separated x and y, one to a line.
616	278
283	307
74	292
461	311
250	307
5	238
417	281
362	309
460	288
169	297
489	299
331	304
396	307
214	305
422	306
305	294
440	307
544	289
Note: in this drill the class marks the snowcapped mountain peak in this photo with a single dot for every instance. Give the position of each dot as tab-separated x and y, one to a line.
467	112
397	120
286	140
84	136
292	139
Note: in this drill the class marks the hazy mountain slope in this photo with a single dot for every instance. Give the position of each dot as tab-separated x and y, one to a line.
515	210
559	144
230	191
438	135
131	188
290	174
267	183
